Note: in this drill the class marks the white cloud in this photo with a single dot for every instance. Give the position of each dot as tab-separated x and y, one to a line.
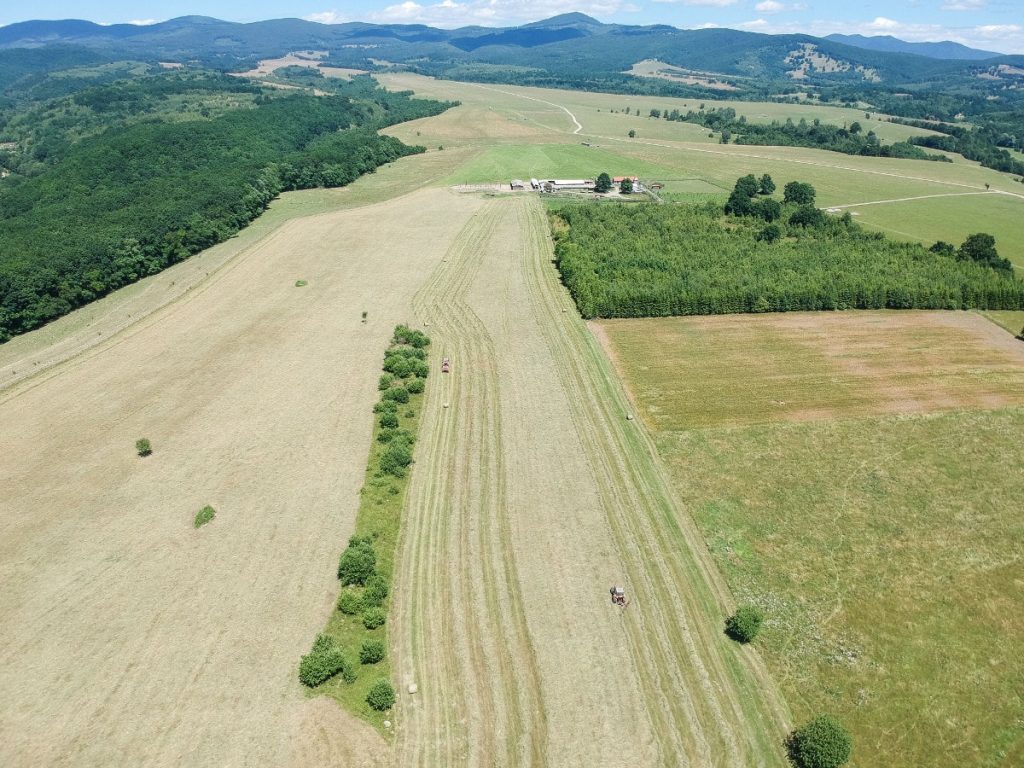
769	6
449	13
326	17
1004	38
964	5
712	3
142	22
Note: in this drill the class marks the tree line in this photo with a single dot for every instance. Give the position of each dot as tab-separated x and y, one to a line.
134	200
776	256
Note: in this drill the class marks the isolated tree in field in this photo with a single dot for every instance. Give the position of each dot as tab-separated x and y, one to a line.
373	618
632	133
766	185
744	625
799	193
371	652
821	743
626	186
381	696
142	447
603	183
855	128
655	113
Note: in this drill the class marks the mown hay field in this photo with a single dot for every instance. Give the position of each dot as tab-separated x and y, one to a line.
857	475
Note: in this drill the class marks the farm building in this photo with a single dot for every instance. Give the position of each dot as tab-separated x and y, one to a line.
556	185
517	184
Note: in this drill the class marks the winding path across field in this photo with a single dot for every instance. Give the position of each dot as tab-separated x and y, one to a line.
532	494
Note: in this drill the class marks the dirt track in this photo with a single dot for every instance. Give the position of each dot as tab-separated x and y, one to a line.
126	636
532	494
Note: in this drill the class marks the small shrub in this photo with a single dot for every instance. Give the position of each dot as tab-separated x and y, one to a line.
399	365
821	743
385	406
406	335
376	591
350	603
142	447
300	283
421	369
769	234
386	435
204	515
381	696
396	457
323	662
415	386
374	618
397	394
744	625
389	420
358	562
385	381
371	652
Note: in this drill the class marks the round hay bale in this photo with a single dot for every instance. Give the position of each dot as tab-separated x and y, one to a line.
387	723
446	405
413	687
629	417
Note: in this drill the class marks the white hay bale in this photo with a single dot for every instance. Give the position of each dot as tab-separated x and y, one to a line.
387	723
629	417
413	687
446	405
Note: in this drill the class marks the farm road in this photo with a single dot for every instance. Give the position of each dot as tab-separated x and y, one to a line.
532	494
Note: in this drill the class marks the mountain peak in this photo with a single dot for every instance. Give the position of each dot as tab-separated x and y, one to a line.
566	20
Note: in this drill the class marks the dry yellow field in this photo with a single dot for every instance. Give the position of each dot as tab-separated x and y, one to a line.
813	366
126	636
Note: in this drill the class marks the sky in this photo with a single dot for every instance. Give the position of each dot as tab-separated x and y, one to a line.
994	25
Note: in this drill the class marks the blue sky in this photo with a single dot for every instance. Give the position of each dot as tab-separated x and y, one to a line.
996	25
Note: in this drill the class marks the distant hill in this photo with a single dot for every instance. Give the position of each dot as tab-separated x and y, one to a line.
889	44
571	49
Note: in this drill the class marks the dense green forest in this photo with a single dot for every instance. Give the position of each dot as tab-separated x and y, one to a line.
655	260
135	199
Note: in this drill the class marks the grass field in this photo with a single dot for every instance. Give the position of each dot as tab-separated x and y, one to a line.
127	636
884	549
676	154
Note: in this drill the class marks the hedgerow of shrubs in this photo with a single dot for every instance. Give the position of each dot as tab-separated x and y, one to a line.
323	662
358	561
371	652
362	604
381	696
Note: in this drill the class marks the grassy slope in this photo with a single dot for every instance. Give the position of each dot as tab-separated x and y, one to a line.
884	550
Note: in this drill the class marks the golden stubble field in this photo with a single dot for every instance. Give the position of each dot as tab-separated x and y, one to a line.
126	636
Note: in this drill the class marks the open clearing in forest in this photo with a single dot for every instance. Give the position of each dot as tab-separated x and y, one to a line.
531	495
126	635
812	366
885	550
677	153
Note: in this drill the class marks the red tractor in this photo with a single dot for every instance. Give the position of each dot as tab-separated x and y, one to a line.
446	365
619	596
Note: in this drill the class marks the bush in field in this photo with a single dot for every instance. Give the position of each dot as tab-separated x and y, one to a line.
350	603
799	193
375	592
769	234
397	394
371	652
389	420
381	696
821	743
203	516
374	617
385	406
142	447
358	562
406	335
386	379
396	457
415	386
399	365
323	662
807	216
744	625
386	435
422	370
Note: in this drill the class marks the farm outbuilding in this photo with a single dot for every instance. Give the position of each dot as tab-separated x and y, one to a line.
517	184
